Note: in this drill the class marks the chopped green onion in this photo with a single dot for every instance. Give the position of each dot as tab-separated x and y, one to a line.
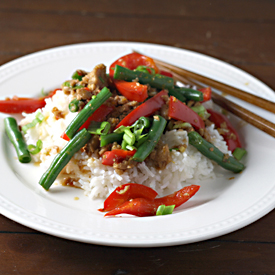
38	119
165	210
239	153
101	79
130	147
35	149
77	76
73	105
129	137
99	128
201	111
68	84
123	144
146	69
183	125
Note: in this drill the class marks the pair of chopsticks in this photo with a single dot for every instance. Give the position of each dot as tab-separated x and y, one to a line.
188	77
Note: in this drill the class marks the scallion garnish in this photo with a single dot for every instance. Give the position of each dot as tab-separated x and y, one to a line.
165	210
99	128
35	149
38	119
239	153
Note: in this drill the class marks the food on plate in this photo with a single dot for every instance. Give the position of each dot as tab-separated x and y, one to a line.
132	131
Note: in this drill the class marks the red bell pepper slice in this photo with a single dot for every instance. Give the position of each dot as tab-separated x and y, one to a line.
18	105
142	207
126	192
166	73
132	90
206	93
132	61
116	156
145	109
231	137
180	111
99	115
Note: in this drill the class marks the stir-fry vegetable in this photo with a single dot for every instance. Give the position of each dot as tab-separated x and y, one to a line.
157	81
132	90
127	192
180	111
144	207
153	137
62	159
18	105
146	109
87	111
116	156
213	153
17	140
228	132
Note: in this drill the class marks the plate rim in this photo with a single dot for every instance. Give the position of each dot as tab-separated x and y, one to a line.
134	243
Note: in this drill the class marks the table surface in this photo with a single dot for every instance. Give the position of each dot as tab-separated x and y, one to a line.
240	32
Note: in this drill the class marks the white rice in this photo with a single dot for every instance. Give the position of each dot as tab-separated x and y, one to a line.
98	180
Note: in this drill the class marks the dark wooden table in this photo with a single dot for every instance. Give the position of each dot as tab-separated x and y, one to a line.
240	32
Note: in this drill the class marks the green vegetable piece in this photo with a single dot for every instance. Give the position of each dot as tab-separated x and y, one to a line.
183	125
239	153
176	94
87	111
110	138
74	105
64	156
77	76
99	128
35	149
165	210
190	94
157	81
17	140
153	137
146	69
160	210
213	153
37	120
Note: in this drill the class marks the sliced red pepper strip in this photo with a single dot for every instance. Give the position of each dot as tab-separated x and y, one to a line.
132	61
231	137
166	73
142	207
99	115
180	111
18	105
116	156
145	109
132	90
126	192
206	93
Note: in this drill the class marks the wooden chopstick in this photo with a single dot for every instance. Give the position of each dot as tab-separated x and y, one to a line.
251	118
255	100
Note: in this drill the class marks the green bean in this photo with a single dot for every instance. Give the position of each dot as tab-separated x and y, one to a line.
153	137
157	81
87	111
213	153
110	138
177	94
17	140
64	156
189	93
73	105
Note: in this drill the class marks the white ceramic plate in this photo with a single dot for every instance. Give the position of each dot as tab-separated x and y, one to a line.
220	207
